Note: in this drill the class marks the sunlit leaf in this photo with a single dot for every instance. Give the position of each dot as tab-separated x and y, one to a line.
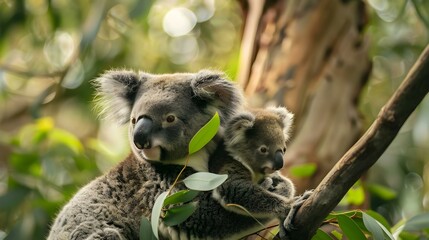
67	139
350	228
321	235
417	223
205	134
355	195
156	212
204	181
179	214
182	196
373	226
303	170
146	232
337	234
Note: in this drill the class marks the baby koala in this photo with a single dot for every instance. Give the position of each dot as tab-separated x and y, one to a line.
252	152
256	140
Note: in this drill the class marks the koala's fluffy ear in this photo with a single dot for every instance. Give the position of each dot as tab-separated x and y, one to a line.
286	117
213	88
236	128
116	93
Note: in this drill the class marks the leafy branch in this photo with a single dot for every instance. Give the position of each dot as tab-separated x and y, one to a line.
365	152
180	203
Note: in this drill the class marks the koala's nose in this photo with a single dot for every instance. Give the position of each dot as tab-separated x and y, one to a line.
278	160
142	131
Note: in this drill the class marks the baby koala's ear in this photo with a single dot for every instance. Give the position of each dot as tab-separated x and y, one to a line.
286	118
236	127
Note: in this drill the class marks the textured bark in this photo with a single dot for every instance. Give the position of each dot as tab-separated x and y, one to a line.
311	57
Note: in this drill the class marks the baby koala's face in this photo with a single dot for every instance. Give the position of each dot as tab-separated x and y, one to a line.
258	139
265	146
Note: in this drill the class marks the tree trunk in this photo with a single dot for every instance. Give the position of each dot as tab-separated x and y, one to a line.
311	57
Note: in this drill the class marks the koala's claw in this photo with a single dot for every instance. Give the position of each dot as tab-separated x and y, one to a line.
298	201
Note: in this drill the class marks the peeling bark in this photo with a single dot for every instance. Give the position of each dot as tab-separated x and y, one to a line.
311	57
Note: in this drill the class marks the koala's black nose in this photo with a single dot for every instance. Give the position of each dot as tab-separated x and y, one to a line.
278	160
142	131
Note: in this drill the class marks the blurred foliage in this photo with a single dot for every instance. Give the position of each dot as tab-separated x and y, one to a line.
44	169
399	181
51	143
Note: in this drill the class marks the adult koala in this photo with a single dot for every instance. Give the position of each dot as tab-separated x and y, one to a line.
165	111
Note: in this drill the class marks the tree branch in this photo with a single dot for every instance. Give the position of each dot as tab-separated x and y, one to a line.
365	152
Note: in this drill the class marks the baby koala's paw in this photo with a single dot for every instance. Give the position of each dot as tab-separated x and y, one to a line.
278	184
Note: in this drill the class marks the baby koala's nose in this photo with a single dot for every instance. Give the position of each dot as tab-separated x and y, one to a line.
278	160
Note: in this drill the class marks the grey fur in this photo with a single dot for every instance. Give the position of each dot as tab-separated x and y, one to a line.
111	206
266	197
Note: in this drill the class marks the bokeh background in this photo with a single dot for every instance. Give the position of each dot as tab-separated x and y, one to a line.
52	143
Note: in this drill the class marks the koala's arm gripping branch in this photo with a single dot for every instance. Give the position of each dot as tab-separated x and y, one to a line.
365	152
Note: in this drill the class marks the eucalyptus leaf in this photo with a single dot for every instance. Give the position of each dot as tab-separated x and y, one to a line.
303	170
417	223
355	195
204	181
378	218
156	212
205	134
177	215
146	230
182	196
373	226
350	228
321	235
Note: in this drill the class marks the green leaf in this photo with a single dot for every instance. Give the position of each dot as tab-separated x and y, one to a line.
156	212
181	197
204	181
355	195
205	134
417	223
382	192
398	227
321	235
146	230
350	213
379	218
67	139
179	214
373	226
337	234
303	170
350	228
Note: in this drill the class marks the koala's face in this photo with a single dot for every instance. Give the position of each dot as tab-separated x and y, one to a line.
258	139
165	111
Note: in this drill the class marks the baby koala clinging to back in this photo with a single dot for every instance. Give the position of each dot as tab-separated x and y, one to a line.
257	142
252	152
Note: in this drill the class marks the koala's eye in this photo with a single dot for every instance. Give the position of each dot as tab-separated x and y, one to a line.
133	121
284	149
263	149
171	118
